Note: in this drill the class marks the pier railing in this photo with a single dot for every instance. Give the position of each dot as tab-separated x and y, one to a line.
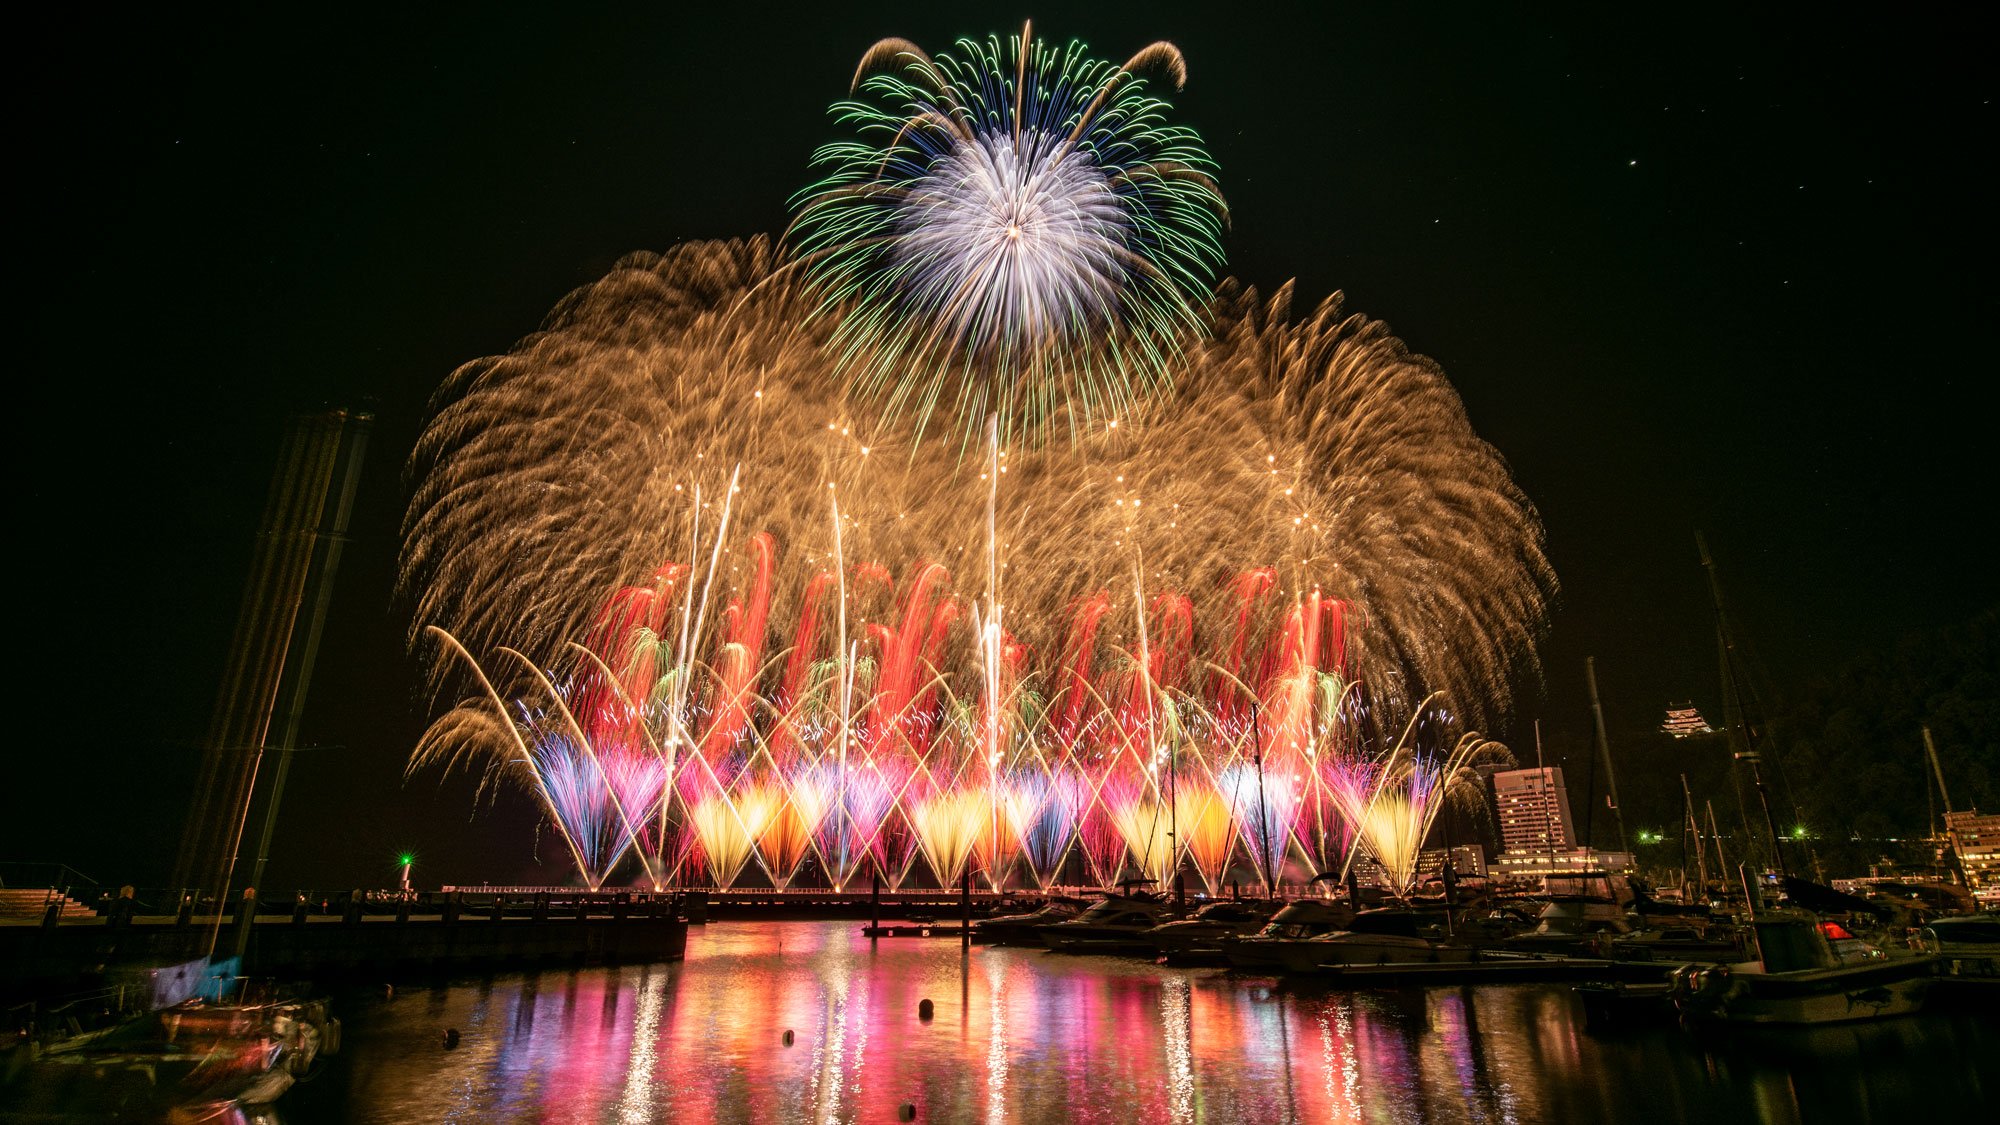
354	931
99	905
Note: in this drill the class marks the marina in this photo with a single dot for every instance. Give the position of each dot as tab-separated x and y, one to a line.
1022	1035
647	564
1180	999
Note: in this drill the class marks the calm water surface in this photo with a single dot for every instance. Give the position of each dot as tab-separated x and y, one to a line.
1022	1036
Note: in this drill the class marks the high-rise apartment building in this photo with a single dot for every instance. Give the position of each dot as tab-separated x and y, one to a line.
1976	839
1534	810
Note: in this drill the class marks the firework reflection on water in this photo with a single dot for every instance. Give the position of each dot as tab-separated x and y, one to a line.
1026	1037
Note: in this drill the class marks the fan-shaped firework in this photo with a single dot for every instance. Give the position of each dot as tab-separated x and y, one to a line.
1291	458
1016	232
1093	642
744	616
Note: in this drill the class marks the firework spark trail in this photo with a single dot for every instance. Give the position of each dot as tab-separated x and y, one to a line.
1207	832
1392	803
1409	525
1046	807
1373	490
1311	531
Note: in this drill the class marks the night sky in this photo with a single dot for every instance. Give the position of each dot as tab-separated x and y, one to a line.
1704	270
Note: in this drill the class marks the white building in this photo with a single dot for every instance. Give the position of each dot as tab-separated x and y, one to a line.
1533	808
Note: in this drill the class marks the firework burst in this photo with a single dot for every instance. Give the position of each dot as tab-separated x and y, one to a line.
727	607
1017	232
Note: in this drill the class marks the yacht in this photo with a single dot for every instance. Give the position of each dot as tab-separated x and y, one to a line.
1574	925
1201	937
1263	951
1115	924
1025	929
1395	936
1676	943
1968	951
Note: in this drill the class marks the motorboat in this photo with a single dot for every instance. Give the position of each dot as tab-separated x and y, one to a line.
1622	1005
1201	937
1971	938
1393	936
1024	929
1115	924
1573	925
1808	971
1968	952
1297	921
1675	943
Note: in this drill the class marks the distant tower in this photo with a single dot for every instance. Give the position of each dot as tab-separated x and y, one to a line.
1533	808
1685	722
296	551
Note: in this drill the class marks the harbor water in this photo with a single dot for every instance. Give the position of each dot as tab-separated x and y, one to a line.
1023	1036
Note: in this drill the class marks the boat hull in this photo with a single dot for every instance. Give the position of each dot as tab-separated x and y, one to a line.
1862	992
1118	940
1358	952
1312	955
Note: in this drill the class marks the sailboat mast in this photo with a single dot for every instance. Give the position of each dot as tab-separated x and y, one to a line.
1694	826
1930	748
1604	751
1547	801
1263	819
1721	861
1950	834
1732	684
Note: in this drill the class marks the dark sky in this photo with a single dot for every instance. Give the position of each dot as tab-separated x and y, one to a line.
1693	269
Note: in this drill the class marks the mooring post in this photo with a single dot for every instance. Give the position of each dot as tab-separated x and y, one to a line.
875	904
965	911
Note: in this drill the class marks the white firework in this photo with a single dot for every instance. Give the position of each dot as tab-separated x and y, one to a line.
1018	246
1016	236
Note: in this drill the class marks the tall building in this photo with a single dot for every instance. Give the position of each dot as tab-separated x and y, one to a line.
1976	839
1685	722
1534	810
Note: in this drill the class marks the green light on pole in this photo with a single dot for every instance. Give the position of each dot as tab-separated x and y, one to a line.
407	861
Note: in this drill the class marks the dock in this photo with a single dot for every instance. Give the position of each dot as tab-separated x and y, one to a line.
365	934
913	931
1488	970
